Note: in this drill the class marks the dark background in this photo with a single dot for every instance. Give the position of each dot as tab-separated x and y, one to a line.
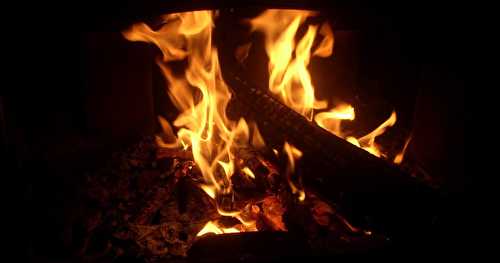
57	116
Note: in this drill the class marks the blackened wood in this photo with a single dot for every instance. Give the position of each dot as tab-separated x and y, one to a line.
369	187
247	247
278	247
351	168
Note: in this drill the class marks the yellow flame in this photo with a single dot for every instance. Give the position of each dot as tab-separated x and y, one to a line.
209	227
290	80
201	96
331	120
248	172
257	140
353	140
247	223
293	154
212	227
209	190
367	142
275	152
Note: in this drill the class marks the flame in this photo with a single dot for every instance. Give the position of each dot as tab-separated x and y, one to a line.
212	227
332	119
168	140
332	122
248	172
325	48
257	140
293	154
399	157
367	142
201	96
275	152
290	80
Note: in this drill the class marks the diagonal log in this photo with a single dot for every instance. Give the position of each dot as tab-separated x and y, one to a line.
367	186
350	168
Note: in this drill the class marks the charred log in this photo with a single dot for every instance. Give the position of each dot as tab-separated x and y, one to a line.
367	185
347	164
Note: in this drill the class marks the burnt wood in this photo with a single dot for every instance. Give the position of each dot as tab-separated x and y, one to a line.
373	192
350	167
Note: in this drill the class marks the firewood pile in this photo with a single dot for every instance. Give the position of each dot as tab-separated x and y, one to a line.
146	203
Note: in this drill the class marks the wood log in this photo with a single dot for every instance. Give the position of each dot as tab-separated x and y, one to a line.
247	247
367	185
347	164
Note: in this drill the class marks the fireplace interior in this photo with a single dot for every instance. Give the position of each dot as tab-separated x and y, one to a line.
115	174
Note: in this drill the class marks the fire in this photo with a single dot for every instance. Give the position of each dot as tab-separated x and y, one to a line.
368	143
399	157
213	227
293	154
201	96
331	120
248	172
290	80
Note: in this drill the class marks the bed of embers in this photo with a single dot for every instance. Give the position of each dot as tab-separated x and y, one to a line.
145	203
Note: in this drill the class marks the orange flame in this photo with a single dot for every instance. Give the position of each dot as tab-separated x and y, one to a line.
367	142
213	227
332	119
290	80
399	157
201	96
293	154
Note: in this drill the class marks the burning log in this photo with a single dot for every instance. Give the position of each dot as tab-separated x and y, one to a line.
257	178
173	209
346	164
367	185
